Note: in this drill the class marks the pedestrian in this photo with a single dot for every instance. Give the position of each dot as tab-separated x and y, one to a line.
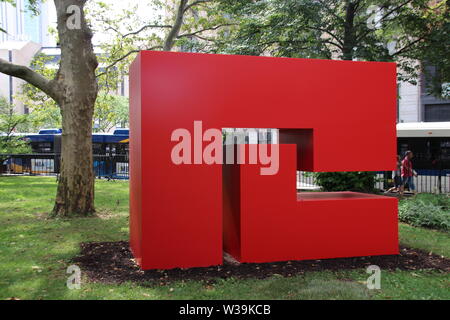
397	176
408	173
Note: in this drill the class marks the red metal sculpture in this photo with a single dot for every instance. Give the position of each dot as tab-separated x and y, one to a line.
332	116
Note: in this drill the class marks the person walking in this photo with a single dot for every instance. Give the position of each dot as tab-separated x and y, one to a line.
408	173
397	176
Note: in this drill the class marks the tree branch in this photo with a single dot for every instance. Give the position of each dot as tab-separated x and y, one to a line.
357	5
145	27
331	10
204	38
113	29
195	3
331	34
409	45
382	19
30	76
168	43
394	9
333	43
206	29
123	58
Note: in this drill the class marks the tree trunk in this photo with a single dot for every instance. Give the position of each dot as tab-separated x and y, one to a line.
76	76
75	90
349	31
75	195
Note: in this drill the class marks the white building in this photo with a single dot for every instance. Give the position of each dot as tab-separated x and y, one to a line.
17	52
26	34
416	105
23	25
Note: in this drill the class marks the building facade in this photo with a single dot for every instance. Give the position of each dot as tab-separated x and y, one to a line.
17	52
21	24
23	35
416	104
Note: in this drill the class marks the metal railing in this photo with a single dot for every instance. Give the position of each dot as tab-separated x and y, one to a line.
427	181
105	166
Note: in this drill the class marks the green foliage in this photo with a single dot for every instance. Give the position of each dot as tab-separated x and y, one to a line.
430	28
110	110
430	211
346	181
9	121
44	112
403	31
126	33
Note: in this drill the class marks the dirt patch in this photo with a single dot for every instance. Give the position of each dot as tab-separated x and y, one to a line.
112	262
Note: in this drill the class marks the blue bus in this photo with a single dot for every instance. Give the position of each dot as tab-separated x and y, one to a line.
49	141
110	152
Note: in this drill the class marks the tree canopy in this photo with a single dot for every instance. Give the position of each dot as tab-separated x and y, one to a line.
404	31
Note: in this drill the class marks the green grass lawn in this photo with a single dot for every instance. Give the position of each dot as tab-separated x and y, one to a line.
35	253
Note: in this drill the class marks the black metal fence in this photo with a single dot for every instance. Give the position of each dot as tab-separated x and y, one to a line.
105	166
117	167
427	181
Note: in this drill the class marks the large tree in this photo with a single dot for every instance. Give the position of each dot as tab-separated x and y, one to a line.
74	89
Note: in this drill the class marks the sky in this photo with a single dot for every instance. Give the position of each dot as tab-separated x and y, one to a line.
117	6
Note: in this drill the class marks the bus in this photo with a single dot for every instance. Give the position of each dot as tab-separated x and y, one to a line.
110	152
429	141
49	141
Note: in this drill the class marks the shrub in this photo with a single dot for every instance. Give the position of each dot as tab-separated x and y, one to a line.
346	181
436	199
426	210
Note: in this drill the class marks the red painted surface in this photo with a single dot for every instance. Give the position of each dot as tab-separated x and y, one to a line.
274	223
135	161
334	116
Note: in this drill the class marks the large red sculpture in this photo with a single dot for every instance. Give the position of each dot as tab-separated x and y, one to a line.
332	116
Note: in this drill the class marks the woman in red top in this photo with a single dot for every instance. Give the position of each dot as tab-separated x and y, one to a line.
408	172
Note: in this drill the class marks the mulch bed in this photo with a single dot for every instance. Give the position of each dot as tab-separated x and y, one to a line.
112	262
